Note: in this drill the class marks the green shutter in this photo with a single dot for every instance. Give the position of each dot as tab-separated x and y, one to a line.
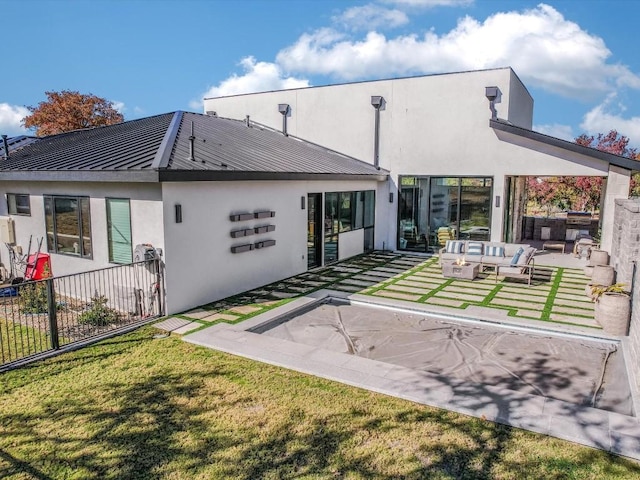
119	229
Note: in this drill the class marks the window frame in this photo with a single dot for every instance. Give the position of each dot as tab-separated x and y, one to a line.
15	210
51	217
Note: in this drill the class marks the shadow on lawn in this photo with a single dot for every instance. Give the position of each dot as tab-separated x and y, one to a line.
187	425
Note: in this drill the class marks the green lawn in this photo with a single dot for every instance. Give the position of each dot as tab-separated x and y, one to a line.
19	341
135	407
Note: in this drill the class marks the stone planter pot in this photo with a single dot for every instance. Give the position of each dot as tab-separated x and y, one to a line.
598	257
613	312
603	275
588	270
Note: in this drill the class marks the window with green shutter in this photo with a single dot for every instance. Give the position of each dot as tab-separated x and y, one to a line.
119	230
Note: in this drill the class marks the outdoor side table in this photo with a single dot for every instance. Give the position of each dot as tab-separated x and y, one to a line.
551	245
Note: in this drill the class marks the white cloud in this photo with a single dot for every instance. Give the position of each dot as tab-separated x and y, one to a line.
258	77
608	116
368	17
119	106
544	48
11	119
565	132
430	3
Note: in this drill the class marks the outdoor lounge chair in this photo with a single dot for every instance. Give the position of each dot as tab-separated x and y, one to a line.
521	267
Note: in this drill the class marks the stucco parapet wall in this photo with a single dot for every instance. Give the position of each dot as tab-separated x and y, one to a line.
630	204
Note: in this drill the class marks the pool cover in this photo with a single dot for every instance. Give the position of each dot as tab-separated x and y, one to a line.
573	369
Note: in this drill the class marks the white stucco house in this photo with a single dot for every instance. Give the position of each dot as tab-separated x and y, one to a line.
265	186
233	206
458	147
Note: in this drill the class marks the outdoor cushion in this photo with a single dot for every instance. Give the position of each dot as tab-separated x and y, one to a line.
454	246
516	257
494	251
474	248
526	256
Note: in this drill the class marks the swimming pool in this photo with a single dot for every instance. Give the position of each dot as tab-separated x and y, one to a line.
577	369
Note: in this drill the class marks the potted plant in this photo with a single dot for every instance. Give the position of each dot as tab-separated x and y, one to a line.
613	308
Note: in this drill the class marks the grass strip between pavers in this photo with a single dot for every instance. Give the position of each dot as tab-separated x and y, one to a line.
281	285
545	299
555	285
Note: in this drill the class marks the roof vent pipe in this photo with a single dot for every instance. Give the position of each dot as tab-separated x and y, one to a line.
191	142
6	147
283	108
494	95
378	103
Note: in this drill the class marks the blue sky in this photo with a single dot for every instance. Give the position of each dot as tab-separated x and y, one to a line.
578	58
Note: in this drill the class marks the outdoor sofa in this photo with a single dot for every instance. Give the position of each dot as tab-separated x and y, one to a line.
507	259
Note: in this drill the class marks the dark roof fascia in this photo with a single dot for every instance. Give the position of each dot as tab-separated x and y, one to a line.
81	176
236	175
163	155
610	158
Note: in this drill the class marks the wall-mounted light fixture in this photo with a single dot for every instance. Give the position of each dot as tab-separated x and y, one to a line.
390	197
378	103
178	211
494	95
284	109
303	202
497	201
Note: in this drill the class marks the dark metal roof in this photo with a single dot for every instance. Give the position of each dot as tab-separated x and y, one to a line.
617	160
158	148
15	143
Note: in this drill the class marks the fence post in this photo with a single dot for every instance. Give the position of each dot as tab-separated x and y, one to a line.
160	286
52	308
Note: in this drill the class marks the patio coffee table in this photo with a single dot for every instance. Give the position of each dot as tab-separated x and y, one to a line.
468	271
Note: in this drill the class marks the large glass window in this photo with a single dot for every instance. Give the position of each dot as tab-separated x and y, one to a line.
344	212
432	210
331	227
347	207
413	229
119	230
68	225
18	204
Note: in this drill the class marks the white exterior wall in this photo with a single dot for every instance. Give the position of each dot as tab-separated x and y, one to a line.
146	219
200	267
435	125
617	187
350	243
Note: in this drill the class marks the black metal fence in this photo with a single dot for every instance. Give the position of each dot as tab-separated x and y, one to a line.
43	316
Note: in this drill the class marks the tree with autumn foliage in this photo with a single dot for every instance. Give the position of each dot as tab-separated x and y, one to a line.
69	110
582	193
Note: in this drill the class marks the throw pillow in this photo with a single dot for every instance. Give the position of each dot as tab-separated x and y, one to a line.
526	256
454	246
494	251
474	248
516	257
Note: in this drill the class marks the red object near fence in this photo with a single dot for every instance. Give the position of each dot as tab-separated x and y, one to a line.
38	267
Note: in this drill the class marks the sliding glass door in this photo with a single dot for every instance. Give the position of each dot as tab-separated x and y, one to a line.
433	210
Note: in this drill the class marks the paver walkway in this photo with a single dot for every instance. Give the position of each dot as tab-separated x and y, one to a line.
556	295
